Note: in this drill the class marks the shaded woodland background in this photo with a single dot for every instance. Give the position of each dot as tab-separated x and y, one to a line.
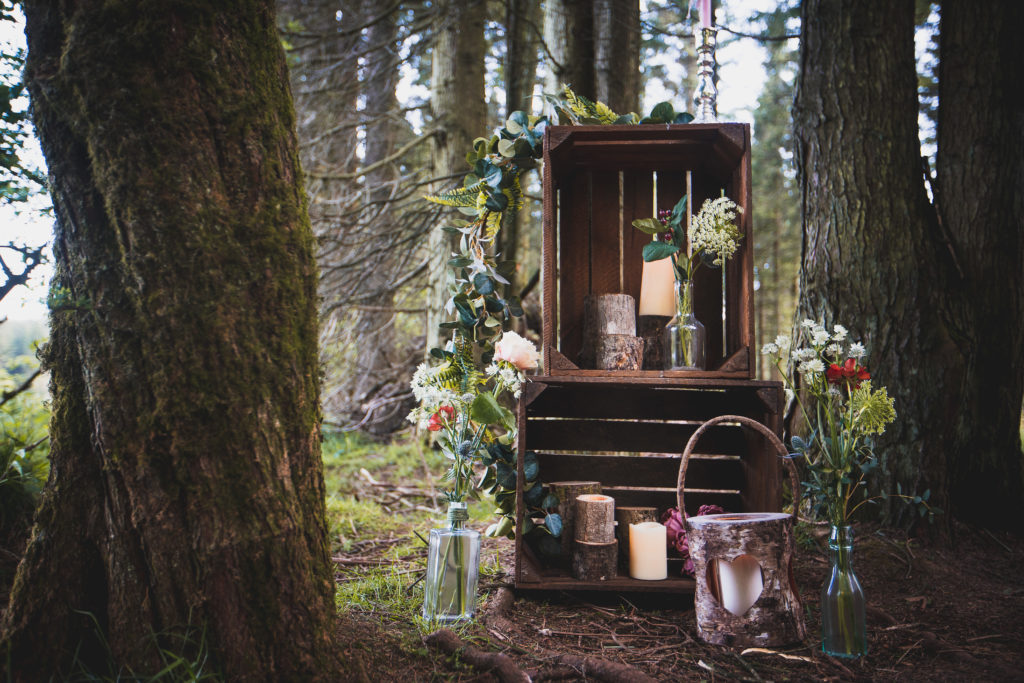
918	254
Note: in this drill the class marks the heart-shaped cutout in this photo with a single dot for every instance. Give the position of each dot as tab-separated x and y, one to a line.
736	585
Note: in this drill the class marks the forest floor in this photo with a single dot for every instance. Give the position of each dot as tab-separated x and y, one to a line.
936	610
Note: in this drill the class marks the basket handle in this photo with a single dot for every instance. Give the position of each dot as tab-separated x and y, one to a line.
780	448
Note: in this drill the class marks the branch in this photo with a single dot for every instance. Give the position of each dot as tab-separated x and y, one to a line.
20	389
499	664
397	154
32	257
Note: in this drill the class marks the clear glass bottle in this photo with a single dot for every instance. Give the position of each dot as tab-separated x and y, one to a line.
843	623
453	569
684	334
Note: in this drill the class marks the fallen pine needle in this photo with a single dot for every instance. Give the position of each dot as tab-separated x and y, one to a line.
761	650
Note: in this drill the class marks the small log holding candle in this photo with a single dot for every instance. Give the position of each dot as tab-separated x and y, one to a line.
595	551
624	516
594	561
566	492
609	333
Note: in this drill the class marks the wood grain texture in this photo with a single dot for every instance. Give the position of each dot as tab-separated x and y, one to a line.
595	561
595	518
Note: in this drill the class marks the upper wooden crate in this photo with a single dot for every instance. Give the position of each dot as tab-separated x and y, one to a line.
597	179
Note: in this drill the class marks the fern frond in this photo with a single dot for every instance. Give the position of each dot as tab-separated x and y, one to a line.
582	108
462	197
493	224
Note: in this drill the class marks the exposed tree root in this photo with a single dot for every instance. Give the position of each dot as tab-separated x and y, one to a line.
603	669
500	665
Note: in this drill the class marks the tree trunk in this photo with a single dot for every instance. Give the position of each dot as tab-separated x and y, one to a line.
981	203
460	110
870	246
569	46
617	54
186	488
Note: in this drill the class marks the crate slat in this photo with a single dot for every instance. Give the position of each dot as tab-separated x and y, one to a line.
605	435
645	470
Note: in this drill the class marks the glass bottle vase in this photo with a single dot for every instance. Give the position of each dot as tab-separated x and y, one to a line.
843	623
453	569
684	335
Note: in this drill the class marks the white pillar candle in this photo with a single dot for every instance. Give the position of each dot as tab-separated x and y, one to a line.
740	583
657	291
648	551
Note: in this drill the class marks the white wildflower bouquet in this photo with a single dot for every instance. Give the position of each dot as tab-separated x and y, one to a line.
842	411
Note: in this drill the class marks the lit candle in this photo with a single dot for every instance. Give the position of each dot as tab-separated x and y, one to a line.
657	291
704	8
740	583
648	551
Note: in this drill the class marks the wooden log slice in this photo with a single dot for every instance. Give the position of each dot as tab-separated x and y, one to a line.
651	328
776	616
594	561
624	516
566	492
595	518
605	314
618	352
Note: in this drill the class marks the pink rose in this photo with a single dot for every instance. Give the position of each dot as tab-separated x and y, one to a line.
517	351
676	532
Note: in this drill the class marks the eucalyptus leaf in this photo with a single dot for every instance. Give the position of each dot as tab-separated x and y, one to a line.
483	284
531	468
550	502
438	353
459	262
655	251
651	226
553	522
506	148
506	476
496	201
663	112
683	117
534	495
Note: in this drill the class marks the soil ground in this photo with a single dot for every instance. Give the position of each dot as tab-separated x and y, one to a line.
937	610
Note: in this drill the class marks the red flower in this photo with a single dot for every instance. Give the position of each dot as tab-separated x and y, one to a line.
849	372
437	420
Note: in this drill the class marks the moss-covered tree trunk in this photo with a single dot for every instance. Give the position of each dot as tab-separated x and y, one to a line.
186	486
922	293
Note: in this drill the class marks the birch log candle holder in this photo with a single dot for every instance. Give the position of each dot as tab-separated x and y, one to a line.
566	492
595	551
609	333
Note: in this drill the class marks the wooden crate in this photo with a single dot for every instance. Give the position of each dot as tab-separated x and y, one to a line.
597	179
630	437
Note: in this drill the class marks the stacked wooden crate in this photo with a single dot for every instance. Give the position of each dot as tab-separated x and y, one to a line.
627	429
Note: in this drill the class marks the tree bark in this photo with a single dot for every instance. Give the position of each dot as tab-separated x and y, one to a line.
981	203
924	291
186	487
569	46
617	54
459	108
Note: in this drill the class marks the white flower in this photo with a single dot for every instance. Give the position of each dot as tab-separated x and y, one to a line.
834	391
857	350
769	349
834	349
714	229
516	350
840	333
804	354
808	324
820	336
492	370
782	341
814	365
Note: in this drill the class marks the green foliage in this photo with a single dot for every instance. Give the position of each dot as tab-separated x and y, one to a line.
24	466
18	181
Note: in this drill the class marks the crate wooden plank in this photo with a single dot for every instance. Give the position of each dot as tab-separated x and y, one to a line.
637	202
603	435
642	470
641	402
574	262
663	499
605	256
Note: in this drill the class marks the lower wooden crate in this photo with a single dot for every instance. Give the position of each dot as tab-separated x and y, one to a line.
630	437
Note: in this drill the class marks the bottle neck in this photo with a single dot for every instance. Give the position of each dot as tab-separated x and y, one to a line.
684	298
458	515
840	546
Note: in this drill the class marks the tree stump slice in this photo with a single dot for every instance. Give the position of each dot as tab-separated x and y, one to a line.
618	352
650	328
594	561
566	492
595	518
776	616
624	516
603	315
